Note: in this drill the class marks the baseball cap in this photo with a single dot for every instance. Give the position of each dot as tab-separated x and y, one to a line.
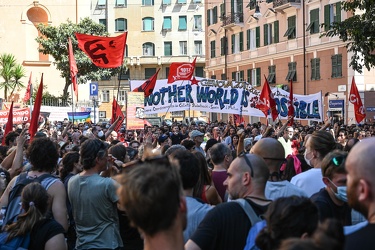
162	138
195	133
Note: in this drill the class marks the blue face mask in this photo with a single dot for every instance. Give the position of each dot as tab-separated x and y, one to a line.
341	192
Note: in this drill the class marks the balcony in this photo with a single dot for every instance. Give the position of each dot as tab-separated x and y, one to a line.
233	20
280	5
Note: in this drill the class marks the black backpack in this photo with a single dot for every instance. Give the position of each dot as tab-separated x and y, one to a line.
14	207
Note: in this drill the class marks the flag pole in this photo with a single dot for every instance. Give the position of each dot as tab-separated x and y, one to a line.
71	89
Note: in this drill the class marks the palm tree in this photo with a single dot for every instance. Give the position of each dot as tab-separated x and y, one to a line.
11	72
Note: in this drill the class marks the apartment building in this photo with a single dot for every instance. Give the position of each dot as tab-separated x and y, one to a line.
159	32
281	39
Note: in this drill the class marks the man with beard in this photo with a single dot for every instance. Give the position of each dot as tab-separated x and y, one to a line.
361	192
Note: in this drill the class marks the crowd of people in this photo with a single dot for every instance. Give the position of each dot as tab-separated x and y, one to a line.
86	186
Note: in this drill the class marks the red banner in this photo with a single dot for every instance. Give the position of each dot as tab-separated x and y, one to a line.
148	86
104	52
181	71
266	101
355	98
19	116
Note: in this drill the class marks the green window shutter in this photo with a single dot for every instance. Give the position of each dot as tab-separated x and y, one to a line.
313	69
234	76
215	14
222	9
339	65
233	39
265	34
257	37
258	76
208	18
249	76
241	41
248	39
276	31
232	7
327	19
241	75
317	69
338	12
334	66
182	25
239	6
167	24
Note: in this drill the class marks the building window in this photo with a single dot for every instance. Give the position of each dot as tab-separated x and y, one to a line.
124	75
238	76
332	13
223	77
198	47
183	48
315	69
147	2
121	24
313	27
197	22
148	49
291	31
105	95
181	1
149	72
271	74
167	48
237	43
213	77
122	96
148	24
103	22
254	77
101	4
253	38
336	66
223	45
292	72
178	113
167	23
166	72
199	71
166	2
267	32
212	44
276	31
182	24
120	3
212	16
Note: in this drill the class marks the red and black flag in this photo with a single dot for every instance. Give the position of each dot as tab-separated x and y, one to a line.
148	86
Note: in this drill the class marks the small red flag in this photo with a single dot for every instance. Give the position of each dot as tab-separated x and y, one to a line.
290	104
267	101
104	52
148	86
355	98
28	90
73	68
9	124
36	110
116	112
194	81
181	71
238	119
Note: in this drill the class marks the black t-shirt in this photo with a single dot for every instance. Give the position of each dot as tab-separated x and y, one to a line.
362	239
42	231
328	209
225	227
129	235
176	138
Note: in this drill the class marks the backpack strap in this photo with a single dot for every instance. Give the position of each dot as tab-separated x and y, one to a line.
253	217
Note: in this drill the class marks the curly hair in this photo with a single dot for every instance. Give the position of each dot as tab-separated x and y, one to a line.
90	150
43	154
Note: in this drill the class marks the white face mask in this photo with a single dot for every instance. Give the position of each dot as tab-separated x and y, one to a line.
100	133
308	161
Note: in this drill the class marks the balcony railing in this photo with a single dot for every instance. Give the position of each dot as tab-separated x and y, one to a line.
277	3
233	19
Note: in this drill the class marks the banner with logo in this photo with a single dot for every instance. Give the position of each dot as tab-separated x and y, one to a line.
19	116
228	97
135	110
79	117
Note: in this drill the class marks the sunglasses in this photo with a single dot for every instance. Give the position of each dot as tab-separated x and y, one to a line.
243	154
337	161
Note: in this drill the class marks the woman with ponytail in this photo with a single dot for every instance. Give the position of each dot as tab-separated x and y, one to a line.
44	233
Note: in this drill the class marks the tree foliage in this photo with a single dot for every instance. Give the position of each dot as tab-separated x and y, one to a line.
358	31
54	41
11	72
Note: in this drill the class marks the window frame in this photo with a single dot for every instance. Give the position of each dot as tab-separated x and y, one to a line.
336	61
168	19
183	47
105	95
315	68
182	18
125	23
292	72
171	48
144	23
152	45
271	74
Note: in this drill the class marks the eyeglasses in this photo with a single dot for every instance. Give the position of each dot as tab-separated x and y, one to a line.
243	154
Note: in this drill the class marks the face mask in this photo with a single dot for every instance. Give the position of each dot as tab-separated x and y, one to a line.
308	161
100	133
341	192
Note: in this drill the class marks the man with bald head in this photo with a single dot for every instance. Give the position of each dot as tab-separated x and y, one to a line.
227	225
272	151
360	169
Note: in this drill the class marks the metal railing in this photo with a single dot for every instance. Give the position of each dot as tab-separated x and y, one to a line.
233	18
277	3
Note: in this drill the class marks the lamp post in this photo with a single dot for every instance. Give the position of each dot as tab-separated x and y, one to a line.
304	48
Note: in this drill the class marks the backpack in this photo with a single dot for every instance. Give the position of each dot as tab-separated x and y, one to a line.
14	207
17	243
257	224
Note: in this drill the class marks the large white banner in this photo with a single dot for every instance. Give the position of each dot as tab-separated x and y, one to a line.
225	97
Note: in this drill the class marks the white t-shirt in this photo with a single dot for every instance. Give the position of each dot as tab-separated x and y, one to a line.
310	181
287	145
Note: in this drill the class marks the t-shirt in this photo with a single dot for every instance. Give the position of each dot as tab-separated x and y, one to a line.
225	227
176	138
42	231
196	211
362	239
218	178
309	181
277	189
94	203
328	209
287	145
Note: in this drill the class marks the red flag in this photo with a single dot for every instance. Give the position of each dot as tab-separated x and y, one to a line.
116	112
9	124
73	68
36	110
238	119
290	104
194	81
355	98
28	90
104	52
181	71
148	86
267	101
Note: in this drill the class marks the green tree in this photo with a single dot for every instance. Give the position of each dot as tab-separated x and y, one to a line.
54	41
358	31
11	73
